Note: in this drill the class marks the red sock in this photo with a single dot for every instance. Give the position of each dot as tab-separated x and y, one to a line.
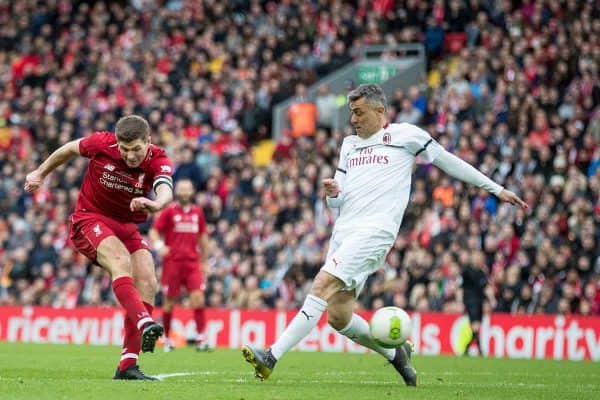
167	322
132	342
149	308
130	299
200	319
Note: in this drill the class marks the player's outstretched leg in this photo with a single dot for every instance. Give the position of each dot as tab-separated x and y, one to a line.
401	363
150	334
262	361
133	373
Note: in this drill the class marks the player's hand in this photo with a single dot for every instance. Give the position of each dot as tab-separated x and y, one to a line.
144	204
510	197
163	251
205	268
331	186
33	181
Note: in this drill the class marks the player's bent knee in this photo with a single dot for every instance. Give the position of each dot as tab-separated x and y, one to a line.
325	286
337	321
147	286
196	299
153	285
119	265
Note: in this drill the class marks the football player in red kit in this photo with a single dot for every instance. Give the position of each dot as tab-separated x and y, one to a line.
184	252
123	168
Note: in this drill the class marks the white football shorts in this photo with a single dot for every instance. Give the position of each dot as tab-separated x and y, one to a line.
353	256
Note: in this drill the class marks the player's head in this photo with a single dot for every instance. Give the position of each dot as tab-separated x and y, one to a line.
184	191
367	109
133	138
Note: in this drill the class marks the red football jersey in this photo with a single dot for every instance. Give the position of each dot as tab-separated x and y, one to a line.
109	184
181	229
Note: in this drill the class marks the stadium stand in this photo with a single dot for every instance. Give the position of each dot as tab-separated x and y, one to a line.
513	89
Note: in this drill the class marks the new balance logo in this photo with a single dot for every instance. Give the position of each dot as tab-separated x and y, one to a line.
308	317
109	167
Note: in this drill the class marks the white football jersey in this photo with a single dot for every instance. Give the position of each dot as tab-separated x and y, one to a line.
375	176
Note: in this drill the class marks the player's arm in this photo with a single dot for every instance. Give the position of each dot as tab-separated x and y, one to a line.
157	232
164	195
464	171
60	156
203	243
154	236
420	143
162	184
157	243
333	187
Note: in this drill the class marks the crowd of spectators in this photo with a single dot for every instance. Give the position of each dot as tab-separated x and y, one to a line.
512	87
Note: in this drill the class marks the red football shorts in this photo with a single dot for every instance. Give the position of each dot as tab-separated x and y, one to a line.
176	274
89	229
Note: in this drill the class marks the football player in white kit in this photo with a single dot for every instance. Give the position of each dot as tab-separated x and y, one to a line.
371	188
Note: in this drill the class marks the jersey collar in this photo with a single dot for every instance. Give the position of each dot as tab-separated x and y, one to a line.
376	138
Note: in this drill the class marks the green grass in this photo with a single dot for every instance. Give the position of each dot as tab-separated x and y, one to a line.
29	371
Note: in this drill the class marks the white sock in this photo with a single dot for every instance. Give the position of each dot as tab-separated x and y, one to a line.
301	325
358	331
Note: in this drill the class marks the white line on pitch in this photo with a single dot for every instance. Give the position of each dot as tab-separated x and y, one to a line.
174	374
164	376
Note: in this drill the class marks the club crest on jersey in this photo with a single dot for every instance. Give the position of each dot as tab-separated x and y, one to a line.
109	167
387	138
140	181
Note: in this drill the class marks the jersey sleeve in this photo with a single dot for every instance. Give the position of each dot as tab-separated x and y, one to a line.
161	171
93	144
418	142
162	221
343	159
340	177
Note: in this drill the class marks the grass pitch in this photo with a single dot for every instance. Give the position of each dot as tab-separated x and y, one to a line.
30	371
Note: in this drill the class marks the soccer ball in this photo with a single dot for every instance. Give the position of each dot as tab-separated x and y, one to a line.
390	327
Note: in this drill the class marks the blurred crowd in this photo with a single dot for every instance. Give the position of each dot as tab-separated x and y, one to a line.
512	87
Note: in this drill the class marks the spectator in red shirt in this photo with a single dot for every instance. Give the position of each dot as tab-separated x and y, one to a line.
540	135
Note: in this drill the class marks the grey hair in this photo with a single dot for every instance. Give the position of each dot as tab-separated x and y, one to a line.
372	93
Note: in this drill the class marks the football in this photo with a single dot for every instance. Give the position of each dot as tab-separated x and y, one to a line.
390	326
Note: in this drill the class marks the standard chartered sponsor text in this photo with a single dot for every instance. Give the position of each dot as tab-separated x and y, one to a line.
115	182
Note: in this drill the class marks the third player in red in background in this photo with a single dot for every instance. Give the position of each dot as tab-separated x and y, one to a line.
184	252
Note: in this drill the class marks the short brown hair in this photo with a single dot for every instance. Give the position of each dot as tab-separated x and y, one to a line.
132	127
